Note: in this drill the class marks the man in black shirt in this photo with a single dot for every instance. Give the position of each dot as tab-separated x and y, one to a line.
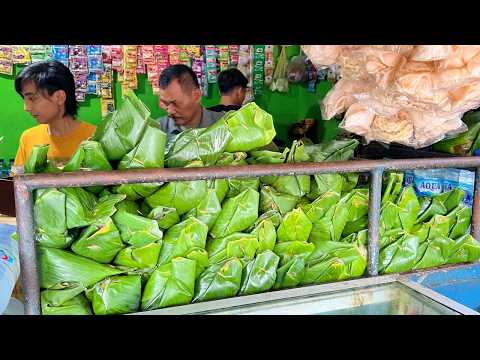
233	86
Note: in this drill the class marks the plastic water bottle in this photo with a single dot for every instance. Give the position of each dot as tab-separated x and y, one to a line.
9	269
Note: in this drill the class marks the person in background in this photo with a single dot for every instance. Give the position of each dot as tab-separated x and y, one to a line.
233	88
48	92
180	96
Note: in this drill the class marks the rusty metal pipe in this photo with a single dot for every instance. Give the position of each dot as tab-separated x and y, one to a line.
24	184
476	207
374	200
28	259
173	174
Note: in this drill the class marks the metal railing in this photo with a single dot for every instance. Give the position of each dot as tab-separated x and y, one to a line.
25	184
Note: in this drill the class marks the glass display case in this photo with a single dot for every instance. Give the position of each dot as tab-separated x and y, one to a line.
382	295
386	299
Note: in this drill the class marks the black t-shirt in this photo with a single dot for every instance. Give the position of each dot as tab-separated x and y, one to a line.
225	108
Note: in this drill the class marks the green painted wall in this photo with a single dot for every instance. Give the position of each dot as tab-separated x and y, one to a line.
287	108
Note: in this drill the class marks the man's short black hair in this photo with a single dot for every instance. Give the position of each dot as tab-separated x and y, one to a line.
50	75
185	76
230	79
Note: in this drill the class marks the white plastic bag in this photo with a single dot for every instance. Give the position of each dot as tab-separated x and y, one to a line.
9	265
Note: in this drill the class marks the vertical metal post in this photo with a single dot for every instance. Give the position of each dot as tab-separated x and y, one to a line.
374	200
28	261
476	207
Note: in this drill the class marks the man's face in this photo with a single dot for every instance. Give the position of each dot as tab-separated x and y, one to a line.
181	105
43	107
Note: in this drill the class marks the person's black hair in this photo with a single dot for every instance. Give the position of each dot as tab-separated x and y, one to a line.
185	76
50	75
230	79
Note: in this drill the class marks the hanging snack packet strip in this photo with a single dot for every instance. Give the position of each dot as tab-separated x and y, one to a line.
258	68
233	52
21	55
6	60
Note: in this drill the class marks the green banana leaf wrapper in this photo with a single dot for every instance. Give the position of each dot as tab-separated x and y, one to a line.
465	143
290	249
295	226
391	236
460	218
393	188
331	225
352	227
37	159
357	201
297	185
325	182
78	305
410	205
438	225
266	235
221	188
181	238
291	273
137	230
238	214
243	249
267	157
128	206
166	217
65	292
135	192
171	284
104	192
270	199
244	245
333	261
236	185
327	249
219	281
303	202
441	204
99	243
466	249
259	275
89	156
208	210
350	183
121	131
80	205
59	266
437	252
50	219
251	128
390	217
205	144
318	208
181	195
232	158
272	215
335	150
149	153
83	209
401	255
200	256
117	295
144	257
